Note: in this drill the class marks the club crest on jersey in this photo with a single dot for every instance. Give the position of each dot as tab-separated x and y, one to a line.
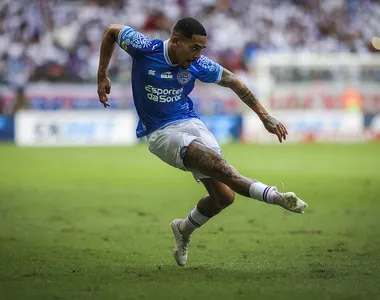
184	76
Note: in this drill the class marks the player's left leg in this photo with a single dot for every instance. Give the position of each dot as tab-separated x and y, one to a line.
220	196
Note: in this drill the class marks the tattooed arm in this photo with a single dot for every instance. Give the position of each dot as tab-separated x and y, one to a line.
230	80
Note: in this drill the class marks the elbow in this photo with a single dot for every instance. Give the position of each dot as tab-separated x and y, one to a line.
112	26
237	85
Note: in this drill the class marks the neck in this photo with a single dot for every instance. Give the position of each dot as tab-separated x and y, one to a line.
171	53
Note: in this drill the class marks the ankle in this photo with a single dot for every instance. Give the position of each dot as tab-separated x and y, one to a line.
277	198
181	231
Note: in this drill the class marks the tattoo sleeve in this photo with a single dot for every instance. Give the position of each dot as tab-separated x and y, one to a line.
230	80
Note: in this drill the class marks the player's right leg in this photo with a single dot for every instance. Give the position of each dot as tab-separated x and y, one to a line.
220	196
202	159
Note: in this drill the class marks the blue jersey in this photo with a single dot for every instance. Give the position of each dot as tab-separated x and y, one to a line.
160	88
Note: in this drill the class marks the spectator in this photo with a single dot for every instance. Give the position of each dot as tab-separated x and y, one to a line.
59	40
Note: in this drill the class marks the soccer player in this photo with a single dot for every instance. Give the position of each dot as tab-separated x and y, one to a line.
163	75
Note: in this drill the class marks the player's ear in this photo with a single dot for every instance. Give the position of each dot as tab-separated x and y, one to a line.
175	40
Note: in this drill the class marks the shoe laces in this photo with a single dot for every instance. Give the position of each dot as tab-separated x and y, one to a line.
283	189
183	247
185	243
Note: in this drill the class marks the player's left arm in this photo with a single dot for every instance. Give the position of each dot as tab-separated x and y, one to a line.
230	80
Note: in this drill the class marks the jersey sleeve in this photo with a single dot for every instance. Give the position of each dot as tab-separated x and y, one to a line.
133	42
206	70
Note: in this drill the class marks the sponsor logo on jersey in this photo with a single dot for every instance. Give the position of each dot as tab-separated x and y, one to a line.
184	76
163	95
167	75
152	72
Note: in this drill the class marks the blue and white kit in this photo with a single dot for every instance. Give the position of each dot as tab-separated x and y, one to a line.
161	95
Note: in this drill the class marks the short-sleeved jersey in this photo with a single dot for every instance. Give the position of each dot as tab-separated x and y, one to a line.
160	88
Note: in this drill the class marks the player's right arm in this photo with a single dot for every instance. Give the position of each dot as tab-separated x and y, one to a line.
106	50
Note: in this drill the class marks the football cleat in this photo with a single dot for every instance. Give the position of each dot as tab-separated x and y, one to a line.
181	243
291	202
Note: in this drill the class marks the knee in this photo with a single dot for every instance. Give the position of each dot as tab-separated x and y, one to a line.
226	198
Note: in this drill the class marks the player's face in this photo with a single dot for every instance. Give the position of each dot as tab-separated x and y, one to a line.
189	50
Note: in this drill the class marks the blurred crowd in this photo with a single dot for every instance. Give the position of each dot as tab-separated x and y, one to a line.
59	40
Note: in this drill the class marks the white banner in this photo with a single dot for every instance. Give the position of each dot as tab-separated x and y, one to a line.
308	126
75	128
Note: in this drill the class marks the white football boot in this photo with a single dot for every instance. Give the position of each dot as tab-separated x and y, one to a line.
181	243
291	202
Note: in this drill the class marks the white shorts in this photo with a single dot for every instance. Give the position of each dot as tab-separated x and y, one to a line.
169	143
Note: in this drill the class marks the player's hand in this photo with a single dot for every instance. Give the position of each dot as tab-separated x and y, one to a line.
273	126
104	88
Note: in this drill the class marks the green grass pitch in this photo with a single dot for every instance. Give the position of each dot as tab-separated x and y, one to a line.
92	223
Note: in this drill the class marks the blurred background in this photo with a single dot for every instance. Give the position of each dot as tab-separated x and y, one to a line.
314	64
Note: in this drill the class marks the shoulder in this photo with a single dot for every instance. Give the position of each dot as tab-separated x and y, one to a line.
130	37
206	70
205	64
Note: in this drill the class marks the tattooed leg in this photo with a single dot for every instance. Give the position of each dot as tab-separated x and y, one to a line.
200	158
219	197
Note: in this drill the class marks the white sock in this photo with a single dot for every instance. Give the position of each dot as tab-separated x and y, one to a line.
193	221
262	192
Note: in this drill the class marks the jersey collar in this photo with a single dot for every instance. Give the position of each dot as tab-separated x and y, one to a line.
166	54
